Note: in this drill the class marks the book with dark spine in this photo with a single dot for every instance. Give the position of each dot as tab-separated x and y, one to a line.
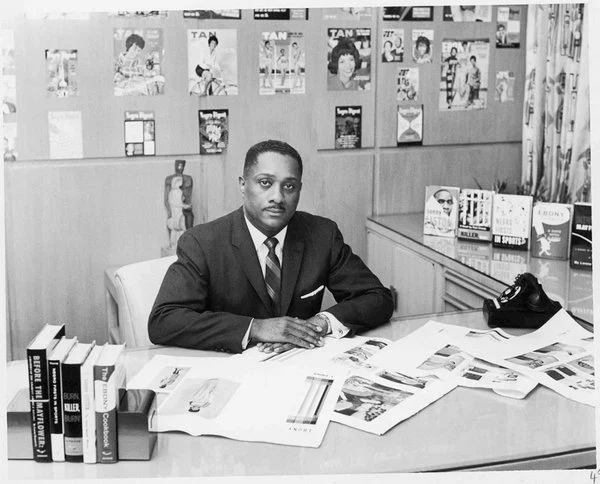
71	386
39	398
61	350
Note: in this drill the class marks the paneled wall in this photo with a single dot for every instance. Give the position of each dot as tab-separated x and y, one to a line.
66	221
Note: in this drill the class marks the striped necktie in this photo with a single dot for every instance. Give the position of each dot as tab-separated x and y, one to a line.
273	273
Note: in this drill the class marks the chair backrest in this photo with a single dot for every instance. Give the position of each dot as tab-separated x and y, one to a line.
137	286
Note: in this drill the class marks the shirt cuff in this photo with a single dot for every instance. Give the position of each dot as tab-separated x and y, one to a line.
246	338
336	328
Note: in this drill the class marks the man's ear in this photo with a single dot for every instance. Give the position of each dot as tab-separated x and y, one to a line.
242	184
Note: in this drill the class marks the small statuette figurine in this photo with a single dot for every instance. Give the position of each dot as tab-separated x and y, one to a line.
178	202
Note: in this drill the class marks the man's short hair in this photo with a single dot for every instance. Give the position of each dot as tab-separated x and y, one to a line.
270	146
134	39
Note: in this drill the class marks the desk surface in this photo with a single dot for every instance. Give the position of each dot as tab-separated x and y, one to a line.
466	429
571	287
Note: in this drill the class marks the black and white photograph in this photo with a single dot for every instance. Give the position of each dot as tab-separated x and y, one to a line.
318	242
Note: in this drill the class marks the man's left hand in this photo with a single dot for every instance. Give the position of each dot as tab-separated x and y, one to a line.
318	324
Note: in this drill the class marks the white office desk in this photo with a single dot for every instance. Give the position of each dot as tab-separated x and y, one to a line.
468	429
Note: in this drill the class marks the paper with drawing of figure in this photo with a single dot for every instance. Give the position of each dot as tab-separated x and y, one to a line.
216	396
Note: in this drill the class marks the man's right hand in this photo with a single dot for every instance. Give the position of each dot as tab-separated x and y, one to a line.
285	330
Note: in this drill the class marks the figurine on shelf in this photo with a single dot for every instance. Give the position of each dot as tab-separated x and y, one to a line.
178	202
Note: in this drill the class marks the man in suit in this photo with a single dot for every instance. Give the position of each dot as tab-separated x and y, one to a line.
257	275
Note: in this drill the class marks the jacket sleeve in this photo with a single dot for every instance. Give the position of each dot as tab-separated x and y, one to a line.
181	316
362	301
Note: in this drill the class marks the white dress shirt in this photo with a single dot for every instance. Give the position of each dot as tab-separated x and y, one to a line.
336	328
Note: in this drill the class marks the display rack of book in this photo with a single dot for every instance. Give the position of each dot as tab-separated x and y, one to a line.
76	407
547	230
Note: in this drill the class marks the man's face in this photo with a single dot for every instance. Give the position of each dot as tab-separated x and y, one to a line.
444	198
271	191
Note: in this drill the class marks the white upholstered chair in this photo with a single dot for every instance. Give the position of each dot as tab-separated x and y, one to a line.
136	287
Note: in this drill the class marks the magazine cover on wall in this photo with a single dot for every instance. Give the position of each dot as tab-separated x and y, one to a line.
348	127
141	13
410	125
8	78
464	79
348	59
61	73
409	14
282	67
408	84
140	133
212	62
138	55
281	13
441	211
505	86
9	134
347	13
422	41
468	13
508	28
214	130
65	135
231	13
392	45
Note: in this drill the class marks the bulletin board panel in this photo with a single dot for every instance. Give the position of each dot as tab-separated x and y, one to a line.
308	118
498	122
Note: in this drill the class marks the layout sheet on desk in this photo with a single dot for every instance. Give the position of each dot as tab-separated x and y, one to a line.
351	352
372	399
283	404
559	355
375	399
448	351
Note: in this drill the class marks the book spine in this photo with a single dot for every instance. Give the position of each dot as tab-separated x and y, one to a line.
56	411
37	366
71	385
106	414
88	416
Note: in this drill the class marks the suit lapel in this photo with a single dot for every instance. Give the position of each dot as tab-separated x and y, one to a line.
247	258
293	250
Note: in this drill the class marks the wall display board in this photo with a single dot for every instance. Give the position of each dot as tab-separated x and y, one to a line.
487	111
124	69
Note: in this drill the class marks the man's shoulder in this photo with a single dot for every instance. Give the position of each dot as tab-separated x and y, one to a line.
310	223
217	228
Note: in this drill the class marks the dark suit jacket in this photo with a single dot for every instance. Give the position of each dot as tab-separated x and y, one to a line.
215	287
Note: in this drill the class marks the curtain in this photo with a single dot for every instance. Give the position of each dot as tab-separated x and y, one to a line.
556	114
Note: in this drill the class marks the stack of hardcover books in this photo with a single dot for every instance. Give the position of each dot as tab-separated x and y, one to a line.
74	391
